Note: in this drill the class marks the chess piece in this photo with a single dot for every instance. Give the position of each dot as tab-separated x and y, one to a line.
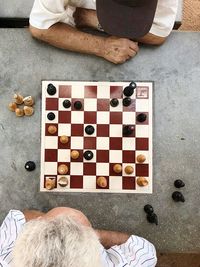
66	103
89	129
128	129
88	155
52	129
179	183
127	101
19	112
142	181
28	101
62	169
50	183
64	139
141	158
102	182
78	105
30	166
152	218
129	90
18	99
114	102
178	197
63	181
148	209
141	117
75	154
51	89
117	168
129	169
12	106
51	116
28	111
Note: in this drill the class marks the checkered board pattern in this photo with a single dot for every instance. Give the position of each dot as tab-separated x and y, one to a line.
107	143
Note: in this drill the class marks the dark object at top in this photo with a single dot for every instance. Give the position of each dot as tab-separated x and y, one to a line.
51	89
129	90
89	129
114	102
179	183
148	209
141	117
51	116
30	166
128	129
66	103
178	197
88	155
78	105
152	218
127	101
131	11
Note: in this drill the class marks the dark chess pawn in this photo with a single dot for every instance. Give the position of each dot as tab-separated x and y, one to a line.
128	129
152	218
127	101
141	117
88	155
114	102
30	166
89	129
148	209
78	105
66	103
178	197
179	183
129	90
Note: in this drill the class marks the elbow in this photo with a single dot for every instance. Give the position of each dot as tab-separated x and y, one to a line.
36	33
157	40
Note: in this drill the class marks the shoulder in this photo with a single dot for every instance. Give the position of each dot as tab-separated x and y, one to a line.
136	251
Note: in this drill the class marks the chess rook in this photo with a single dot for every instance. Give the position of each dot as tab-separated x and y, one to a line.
50	183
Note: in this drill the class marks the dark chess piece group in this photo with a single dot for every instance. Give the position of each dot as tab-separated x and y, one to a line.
176	196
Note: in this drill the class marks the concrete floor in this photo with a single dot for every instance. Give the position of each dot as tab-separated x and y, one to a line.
175	68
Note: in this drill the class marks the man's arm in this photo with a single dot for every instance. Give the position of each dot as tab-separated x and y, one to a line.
111	238
87	17
116	50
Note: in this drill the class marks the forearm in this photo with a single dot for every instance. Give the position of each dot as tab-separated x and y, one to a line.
69	38
111	238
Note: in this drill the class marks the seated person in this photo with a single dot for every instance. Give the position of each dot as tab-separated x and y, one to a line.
64	237
126	21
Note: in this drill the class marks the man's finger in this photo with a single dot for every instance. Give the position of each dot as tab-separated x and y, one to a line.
134	46
132	52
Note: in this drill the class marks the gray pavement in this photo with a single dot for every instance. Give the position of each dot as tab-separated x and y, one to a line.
175	68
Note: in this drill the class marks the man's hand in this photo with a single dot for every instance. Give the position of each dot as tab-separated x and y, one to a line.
85	18
118	50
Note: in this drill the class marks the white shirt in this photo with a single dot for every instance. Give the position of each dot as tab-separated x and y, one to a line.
45	13
135	252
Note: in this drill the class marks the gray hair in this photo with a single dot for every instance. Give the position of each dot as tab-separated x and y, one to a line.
56	242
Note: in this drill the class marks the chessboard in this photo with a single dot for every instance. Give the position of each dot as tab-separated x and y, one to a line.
96	137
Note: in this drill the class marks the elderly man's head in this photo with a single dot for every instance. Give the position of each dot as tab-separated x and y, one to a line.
57	242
